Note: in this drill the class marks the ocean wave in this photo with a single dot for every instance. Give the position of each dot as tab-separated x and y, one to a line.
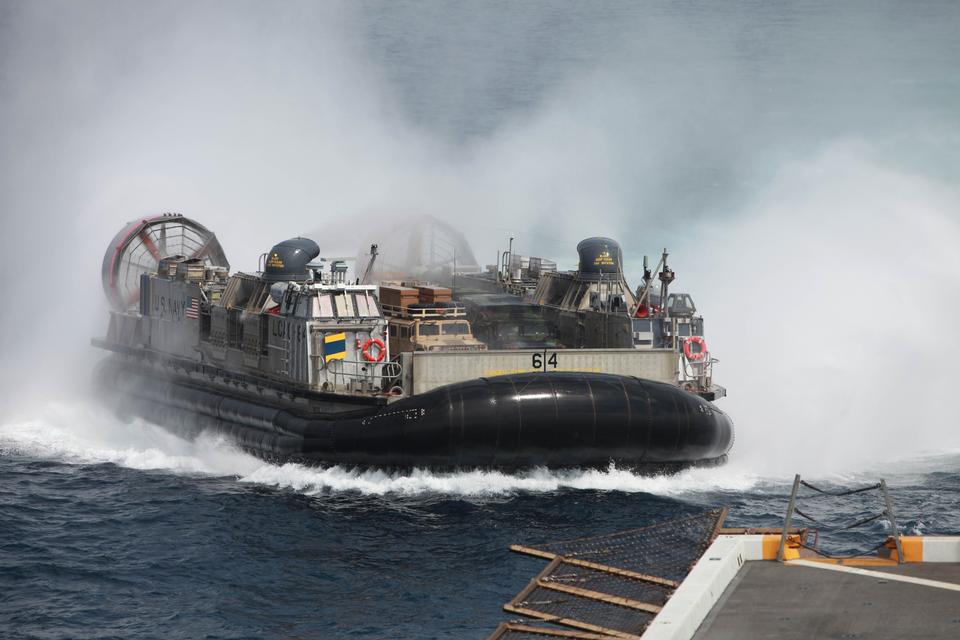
314	480
85	433
88	434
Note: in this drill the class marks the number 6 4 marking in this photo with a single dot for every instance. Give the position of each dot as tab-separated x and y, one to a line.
542	360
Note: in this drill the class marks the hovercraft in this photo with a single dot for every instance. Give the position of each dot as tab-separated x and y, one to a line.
294	363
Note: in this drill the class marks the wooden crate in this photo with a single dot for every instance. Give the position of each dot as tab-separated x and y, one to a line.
433	295
396	296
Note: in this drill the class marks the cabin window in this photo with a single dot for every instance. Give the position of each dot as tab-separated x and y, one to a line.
344	306
393	331
429	330
404	332
363	309
324	308
508	331
372	304
680	304
534	330
456	329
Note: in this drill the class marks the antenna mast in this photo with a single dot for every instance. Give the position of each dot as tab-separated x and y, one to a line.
369	270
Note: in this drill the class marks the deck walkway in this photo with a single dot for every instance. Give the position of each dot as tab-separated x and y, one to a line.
775	600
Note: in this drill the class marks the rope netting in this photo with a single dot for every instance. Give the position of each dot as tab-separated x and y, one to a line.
520	630
838	494
614	584
845	503
666	549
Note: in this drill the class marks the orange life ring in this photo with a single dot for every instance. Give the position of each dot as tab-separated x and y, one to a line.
688	352
381	350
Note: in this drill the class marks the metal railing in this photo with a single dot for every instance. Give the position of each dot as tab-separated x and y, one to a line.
431	313
699	372
365	375
887	512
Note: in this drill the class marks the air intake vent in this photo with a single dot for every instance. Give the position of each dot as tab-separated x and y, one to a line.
599	256
288	260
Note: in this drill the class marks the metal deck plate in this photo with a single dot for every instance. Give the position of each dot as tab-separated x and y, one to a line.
774	600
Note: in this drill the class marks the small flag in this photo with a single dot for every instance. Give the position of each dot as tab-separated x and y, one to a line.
193	309
334	347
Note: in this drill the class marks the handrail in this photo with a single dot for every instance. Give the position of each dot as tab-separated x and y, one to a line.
456	311
786	521
375	373
700	372
886	512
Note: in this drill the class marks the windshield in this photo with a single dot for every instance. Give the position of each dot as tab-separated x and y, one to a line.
429	330
508	331
535	330
680	303
456	329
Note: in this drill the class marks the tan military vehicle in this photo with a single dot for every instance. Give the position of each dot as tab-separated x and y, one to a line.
425	318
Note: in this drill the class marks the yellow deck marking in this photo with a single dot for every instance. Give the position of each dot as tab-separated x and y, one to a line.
912	548
865	561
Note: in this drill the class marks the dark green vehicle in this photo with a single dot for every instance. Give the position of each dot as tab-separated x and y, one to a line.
504	321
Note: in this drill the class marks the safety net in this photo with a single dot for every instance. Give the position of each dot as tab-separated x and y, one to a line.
611	585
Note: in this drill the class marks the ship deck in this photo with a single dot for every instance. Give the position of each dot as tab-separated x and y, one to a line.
787	602
690	578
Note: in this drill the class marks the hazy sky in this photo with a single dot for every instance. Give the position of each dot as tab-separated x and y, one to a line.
795	156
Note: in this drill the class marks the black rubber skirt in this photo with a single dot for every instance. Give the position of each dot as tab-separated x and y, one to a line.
525	420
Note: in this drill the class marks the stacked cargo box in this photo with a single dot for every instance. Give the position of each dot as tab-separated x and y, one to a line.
432	295
398	297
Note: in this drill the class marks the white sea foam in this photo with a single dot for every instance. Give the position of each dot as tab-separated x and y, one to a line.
84	433
487	482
